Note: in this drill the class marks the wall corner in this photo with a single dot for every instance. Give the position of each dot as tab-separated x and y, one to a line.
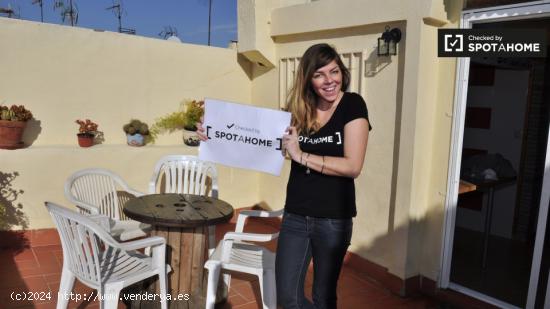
254	24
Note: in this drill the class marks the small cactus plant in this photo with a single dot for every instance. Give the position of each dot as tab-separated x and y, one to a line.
137	133
136	126
7	114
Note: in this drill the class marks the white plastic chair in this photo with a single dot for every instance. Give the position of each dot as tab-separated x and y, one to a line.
97	191
186	175
100	262
235	254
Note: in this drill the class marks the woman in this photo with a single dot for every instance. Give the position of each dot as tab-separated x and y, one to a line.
327	143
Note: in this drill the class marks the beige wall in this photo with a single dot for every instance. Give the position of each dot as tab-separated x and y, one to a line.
62	73
401	191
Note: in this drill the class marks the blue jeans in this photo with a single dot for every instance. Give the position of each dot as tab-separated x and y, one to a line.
301	239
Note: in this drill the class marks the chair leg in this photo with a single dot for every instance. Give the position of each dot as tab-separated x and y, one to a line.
163	290
268	289
65	288
213	277
211	239
110	299
226	285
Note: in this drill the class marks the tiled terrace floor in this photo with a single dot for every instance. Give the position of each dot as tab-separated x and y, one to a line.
32	260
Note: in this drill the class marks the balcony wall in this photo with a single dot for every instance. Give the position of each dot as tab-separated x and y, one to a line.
63	73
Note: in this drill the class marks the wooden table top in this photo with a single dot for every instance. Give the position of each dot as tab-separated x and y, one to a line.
178	210
465	187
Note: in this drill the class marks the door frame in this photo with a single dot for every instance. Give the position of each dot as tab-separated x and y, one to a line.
535	9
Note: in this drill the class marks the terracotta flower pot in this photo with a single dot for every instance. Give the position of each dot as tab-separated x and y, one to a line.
85	139
11	134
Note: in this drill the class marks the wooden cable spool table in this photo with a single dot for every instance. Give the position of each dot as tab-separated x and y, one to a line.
182	219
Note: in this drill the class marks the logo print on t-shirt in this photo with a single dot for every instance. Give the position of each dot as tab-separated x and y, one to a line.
329	139
339	138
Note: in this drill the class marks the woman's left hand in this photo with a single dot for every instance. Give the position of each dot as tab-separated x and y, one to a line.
291	144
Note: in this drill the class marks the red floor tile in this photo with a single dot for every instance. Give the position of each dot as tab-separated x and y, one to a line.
50	305
24	255
250	291
251	305
52	248
26	265
46	257
236	300
44	237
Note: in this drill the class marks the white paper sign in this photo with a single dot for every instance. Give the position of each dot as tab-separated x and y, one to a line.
244	136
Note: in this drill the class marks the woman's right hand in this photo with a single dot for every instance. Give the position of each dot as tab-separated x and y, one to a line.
200	130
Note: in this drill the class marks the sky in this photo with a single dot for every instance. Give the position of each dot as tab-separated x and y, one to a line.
147	17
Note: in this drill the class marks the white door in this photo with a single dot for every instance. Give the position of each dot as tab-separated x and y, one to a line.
538	9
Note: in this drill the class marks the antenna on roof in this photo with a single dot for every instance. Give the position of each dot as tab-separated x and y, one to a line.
168	31
70	12
40	2
10	13
209	2
118	10
209	20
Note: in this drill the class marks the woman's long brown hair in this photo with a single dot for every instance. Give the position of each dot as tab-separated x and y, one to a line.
302	99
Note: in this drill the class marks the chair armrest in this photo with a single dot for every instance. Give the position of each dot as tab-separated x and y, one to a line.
143	243
250	236
127	188
134	192
153	183
262	213
102	220
255	213
91	209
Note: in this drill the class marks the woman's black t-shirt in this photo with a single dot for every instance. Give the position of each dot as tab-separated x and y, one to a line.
320	195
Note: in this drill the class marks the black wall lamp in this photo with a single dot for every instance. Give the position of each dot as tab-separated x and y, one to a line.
387	43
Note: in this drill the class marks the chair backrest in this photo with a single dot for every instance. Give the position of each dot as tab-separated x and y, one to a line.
86	246
184	174
99	188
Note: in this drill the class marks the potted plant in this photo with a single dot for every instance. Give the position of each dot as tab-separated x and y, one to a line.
186	119
136	132
86	133
13	121
194	110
